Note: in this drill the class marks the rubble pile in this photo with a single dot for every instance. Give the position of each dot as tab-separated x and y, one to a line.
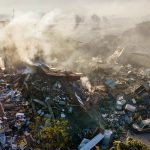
42	93
126	100
10	120
34	97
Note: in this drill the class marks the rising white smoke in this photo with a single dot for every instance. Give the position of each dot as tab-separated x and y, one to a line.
31	35
86	83
68	41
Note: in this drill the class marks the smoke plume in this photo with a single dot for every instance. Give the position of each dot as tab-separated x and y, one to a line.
71	41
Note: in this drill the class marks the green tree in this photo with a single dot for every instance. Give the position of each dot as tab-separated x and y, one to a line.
55	135
129	144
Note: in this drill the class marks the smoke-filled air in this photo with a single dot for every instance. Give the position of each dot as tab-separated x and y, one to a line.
74	74
74	41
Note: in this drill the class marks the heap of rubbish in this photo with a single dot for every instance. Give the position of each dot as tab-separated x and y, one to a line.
39	92
32	95
125	100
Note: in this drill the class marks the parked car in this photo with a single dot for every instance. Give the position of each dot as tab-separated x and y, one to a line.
142	126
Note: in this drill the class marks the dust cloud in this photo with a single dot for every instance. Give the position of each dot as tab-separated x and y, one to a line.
75	41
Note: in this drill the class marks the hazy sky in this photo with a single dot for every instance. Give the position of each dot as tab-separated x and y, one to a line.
108	7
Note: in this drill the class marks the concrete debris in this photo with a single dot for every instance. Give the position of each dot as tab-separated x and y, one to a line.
32	101
130	108
133	101
92	143
79	99
83	143
120	102
110	83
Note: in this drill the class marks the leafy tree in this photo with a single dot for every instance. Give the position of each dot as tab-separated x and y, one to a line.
129	144
55	135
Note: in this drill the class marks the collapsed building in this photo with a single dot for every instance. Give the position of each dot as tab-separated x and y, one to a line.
117	94
114	101
114	98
